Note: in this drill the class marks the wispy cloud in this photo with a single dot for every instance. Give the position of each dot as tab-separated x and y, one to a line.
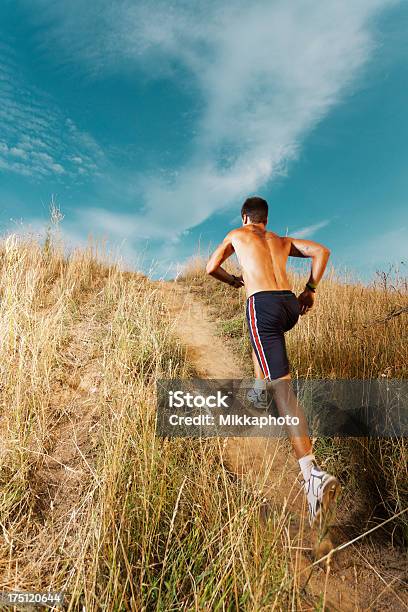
36	139
309	230
266	74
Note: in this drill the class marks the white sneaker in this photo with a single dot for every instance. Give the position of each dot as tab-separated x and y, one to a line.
322	490
258	398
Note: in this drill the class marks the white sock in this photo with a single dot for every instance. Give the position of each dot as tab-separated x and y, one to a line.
306	463
259	384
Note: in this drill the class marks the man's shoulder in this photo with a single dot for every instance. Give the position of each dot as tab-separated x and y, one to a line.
273	236
235	232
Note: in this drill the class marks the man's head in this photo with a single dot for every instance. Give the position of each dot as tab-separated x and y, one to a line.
254	210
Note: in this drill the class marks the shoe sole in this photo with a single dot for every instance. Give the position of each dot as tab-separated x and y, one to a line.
327	509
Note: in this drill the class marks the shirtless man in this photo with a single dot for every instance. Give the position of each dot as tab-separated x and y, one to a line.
273	309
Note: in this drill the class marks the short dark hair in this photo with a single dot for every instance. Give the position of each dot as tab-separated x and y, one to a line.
256	209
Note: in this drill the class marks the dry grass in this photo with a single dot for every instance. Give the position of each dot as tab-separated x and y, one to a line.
344	336
355	331
91	501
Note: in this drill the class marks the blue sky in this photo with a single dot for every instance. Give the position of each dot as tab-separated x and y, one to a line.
151	122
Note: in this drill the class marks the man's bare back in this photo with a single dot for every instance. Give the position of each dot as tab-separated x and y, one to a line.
262	256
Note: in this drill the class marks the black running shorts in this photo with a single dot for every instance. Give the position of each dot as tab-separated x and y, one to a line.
270	314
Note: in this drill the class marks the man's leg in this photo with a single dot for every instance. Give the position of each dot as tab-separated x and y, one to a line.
257	393
269	315
321	488
287	405
269	357
257	368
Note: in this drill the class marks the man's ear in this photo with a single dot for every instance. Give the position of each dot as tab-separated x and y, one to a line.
244	219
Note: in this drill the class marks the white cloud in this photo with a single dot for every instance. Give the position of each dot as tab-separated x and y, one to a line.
16	152
36	139
266	73
309	230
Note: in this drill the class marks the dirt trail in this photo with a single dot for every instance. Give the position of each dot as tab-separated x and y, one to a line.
205	348
264	462
268	465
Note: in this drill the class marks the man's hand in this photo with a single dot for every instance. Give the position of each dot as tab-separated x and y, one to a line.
306	301
237	282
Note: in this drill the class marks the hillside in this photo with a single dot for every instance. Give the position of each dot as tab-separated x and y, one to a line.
94	504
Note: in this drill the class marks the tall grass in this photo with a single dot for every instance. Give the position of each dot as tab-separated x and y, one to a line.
355	331
344	336
92	502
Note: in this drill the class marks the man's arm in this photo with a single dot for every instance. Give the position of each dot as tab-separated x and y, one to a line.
221	253
320	256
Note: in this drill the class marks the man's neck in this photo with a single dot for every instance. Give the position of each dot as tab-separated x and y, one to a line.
261	226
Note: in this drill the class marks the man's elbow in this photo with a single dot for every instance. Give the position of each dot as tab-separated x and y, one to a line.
321	254
325	252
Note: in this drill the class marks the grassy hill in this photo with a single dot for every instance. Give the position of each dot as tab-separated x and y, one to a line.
92	502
